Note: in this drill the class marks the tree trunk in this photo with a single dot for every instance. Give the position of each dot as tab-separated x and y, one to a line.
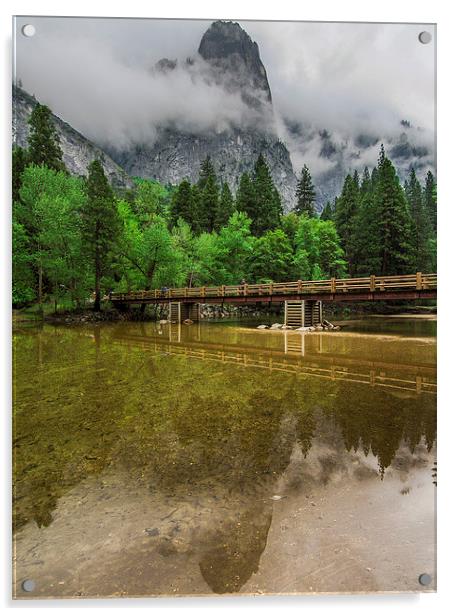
40	283
97	304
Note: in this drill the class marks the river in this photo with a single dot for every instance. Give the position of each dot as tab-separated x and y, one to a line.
218	458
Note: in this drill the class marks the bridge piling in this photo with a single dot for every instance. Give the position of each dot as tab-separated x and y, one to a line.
302	313
180	312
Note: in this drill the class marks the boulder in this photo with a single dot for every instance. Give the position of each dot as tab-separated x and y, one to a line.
276	326
262	327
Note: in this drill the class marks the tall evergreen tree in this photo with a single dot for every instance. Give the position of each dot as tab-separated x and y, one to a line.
100	223
19	162
305	194
244	198
430	199
225	207
267	202
182	205
44	146
209	195
344	216
327	212
394	220
421	225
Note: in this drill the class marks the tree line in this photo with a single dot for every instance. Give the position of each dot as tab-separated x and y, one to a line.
75	235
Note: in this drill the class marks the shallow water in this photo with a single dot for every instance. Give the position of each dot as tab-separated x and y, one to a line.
216	458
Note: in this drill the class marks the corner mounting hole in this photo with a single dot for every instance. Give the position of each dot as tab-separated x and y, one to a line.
28	30
28	585
424	579
425	37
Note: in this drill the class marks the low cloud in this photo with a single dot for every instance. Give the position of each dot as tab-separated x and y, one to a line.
350	80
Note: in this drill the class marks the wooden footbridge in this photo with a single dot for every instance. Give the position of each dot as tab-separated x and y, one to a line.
302	298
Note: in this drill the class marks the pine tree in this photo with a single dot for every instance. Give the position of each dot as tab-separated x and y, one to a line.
225	207
182	205
430	199
44	147
267	202
421	225
394	220
100	223
305	194
244	199
327	212
365	183
209	195
206	171
19	162
347	206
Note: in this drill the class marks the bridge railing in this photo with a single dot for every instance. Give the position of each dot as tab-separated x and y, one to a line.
418	282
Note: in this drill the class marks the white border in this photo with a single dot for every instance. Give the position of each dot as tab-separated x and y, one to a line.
421	11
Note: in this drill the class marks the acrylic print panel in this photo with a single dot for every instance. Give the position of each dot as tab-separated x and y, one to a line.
224	299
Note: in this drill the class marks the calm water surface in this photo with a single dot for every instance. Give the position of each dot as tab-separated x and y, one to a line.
216	458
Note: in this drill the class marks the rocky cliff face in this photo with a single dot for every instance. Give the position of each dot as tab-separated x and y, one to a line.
229	59
78	152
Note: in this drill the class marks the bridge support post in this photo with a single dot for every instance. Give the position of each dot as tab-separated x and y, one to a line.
302	313
180	311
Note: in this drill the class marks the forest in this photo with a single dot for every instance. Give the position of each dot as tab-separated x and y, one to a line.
75	238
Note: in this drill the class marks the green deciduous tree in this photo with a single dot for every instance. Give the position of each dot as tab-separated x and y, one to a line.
236	247
23	282
271	258
49	207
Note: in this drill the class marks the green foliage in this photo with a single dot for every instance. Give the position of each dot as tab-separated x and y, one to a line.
23	282
150	197
245	200
225	207
305	194
43	141
421	227
49	207
267	202
394	221
347	206
236	247
318	254
327	212
272	257
19	162
430	199
100	224
71	235
148	256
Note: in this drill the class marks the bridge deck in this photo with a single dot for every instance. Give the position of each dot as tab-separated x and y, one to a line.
371	288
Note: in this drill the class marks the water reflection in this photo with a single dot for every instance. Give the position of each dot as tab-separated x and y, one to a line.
211	417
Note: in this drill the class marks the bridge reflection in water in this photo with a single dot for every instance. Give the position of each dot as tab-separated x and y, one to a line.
300	354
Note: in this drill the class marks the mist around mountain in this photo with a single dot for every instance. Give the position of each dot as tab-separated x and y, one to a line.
162	121
78	151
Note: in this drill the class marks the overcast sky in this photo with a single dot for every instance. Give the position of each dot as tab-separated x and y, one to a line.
95	74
